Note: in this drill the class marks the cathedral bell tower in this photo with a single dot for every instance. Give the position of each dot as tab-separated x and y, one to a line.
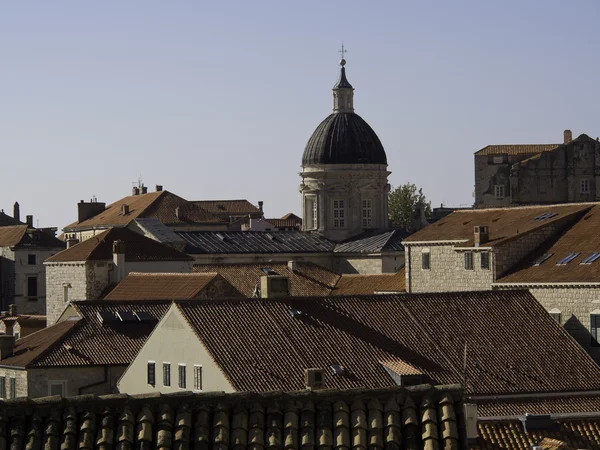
344	172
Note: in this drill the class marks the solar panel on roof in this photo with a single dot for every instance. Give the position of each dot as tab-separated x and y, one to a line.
268	271
144	316
545	216
337	370
541	259
590	259
567	259
105	316
126	316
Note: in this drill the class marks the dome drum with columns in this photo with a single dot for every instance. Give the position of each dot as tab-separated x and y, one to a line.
344	172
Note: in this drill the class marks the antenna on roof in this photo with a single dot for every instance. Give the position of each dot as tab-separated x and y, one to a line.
138	183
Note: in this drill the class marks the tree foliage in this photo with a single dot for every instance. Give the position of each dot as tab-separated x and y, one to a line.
402	204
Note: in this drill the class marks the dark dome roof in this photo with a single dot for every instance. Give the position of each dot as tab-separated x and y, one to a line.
344	138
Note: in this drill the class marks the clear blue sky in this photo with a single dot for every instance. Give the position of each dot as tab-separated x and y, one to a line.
216	100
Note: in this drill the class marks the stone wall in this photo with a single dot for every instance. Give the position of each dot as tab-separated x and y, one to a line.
447	271
21	381
24	270
78	380
7	277
69	277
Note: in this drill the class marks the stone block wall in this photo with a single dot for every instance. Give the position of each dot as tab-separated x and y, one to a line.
73	276
78	380
23	270
20	380
366	265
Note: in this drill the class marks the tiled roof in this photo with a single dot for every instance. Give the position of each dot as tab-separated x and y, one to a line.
137	248
374	242
583	238
26	320
503	223
583	402
286	223
518	149
6	220
393	418
350	284
160	205
11	235
227	207
569	434
289	216
22	236
307	280
160	286
199	242
427	332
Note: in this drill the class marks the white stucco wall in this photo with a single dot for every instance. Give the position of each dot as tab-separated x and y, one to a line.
172	341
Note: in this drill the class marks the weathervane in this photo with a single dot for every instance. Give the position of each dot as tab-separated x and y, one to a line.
342	52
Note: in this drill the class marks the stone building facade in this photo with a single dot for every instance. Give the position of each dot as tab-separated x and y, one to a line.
538	173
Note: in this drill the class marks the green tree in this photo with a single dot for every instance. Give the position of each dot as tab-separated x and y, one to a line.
402	204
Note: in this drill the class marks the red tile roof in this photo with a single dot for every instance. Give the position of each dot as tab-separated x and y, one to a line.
11	235
503	223
350	284
227	207
161	286
160	205
137	248
425	332
558	403
517	149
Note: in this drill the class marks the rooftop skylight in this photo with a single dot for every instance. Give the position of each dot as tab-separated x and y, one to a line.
545	216
541	259
590	259
567	259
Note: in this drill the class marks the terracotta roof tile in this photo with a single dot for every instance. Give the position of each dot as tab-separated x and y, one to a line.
428	332
503	223
228	207
11	235
350	284
395	418
308	280
160	205
559	403
160	286
286	223
137	248
582	237
517	149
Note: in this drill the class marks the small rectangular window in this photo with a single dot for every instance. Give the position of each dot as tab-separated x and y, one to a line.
367	213
595	329
311	213
198	378
585	187
339	214
498	159
485	260
182	372
499	191
151	373
541	259
13	388
31	260
32	290
425	261
56	388
166	374
469	260
2	387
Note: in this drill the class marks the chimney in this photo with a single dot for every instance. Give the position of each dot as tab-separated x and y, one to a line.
87	210
144	189
29	220
470	410
272	286
135	190
568	136
480	235
125	209
292	265
12	310
159	188
314	378
119	260
260	205
17	211
72	241
7	346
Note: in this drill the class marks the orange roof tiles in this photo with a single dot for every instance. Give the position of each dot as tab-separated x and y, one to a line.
503	223
517	149
137	248
11	235
228	207
351	284
558	403
160	286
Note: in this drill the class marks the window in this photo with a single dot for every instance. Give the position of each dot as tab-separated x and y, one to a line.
17	335
367	213
498	159
32	286
151	373
31	260
567	259
198	378
584	187
595	329
499	191
469	260
555	316
425	260
485	260
339	214
2	387
66	292
182	376
57	388
13	388
166	374
311	213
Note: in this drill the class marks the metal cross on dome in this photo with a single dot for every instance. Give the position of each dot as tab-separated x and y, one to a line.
342	51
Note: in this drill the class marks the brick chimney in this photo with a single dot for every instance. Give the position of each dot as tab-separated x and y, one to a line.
17	211
260	205
125	209
135	190
7	346
12	310
481	235
568	135
29	220
143	190
159	188
119	260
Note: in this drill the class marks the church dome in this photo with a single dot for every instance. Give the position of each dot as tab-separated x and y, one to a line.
344	138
